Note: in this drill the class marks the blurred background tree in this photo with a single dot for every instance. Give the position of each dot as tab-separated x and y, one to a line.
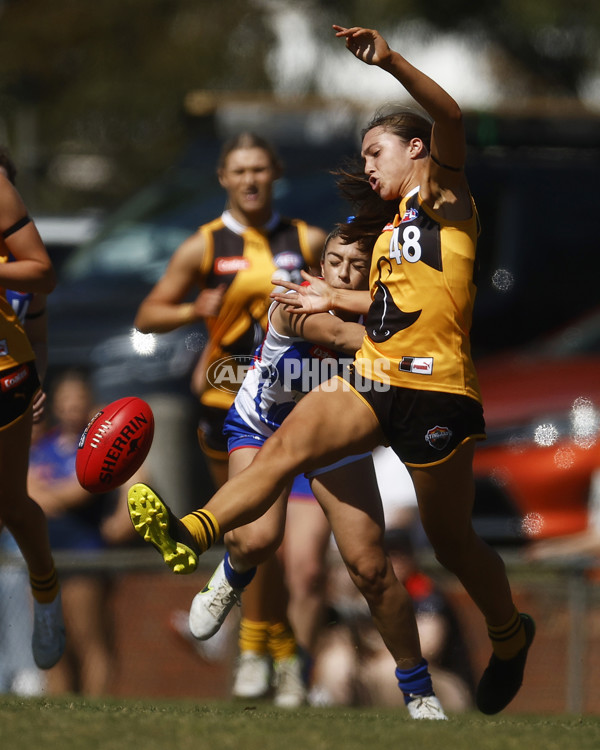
109	78
92	94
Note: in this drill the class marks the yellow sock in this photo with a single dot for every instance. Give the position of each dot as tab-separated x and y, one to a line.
254	636
203	526
282	643
508	639
44	588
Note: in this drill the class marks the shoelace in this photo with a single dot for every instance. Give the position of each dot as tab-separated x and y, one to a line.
222	598
424	704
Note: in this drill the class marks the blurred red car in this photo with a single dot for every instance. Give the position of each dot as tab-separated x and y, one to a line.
542	408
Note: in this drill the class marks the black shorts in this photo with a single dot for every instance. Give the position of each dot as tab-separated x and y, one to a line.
18	386
422	427
210	432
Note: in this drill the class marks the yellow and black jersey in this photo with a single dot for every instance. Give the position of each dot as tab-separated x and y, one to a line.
14	344
246	259
422	289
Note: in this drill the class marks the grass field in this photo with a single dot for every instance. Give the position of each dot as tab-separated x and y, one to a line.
116	724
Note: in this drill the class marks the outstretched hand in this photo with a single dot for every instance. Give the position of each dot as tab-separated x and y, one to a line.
366	44
316	296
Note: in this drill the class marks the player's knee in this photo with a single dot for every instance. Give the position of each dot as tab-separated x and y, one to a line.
253	547
18	513
370	574
307	578
450	552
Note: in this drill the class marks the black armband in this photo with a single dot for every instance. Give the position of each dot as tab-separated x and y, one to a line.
444	166
34	315
16	226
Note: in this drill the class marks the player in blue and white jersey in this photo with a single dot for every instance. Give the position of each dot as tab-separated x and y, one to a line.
295	356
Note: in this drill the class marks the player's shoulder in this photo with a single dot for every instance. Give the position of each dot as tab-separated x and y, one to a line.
11	203
213	225
192	247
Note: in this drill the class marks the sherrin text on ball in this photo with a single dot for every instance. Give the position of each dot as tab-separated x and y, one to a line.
114	444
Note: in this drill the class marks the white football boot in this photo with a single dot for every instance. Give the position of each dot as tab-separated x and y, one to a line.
211	606
426	707
290	689
252	676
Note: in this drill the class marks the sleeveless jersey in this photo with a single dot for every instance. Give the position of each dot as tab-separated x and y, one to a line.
417	328
14	344
245	259
284	370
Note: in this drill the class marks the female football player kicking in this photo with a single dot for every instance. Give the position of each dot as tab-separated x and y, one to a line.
412	385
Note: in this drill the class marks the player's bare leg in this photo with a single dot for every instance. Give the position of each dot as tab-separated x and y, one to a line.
446	494
352	504
26	521
328	424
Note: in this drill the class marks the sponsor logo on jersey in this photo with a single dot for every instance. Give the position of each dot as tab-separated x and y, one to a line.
438	437
388	228
410	215
227	266
418	365
8	382
288	260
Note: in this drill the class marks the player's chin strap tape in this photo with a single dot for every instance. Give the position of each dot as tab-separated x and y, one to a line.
16	226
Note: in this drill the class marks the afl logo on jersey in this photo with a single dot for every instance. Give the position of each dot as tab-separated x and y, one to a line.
288	260
227	266
438	437
410	215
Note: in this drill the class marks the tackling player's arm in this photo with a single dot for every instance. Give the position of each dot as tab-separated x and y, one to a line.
318	296
165	308
320	328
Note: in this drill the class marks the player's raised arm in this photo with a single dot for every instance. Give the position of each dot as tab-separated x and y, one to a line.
448	147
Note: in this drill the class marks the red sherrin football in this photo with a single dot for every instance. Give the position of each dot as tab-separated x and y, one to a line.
114	444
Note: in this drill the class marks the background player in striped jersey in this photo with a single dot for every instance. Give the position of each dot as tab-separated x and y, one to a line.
222	275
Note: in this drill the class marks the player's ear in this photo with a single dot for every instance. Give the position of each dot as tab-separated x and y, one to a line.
417	148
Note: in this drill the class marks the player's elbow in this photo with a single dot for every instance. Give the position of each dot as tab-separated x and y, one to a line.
141	327
142	323
47	279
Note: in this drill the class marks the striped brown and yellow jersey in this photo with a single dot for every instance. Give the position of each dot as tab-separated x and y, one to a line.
14	344
245	259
